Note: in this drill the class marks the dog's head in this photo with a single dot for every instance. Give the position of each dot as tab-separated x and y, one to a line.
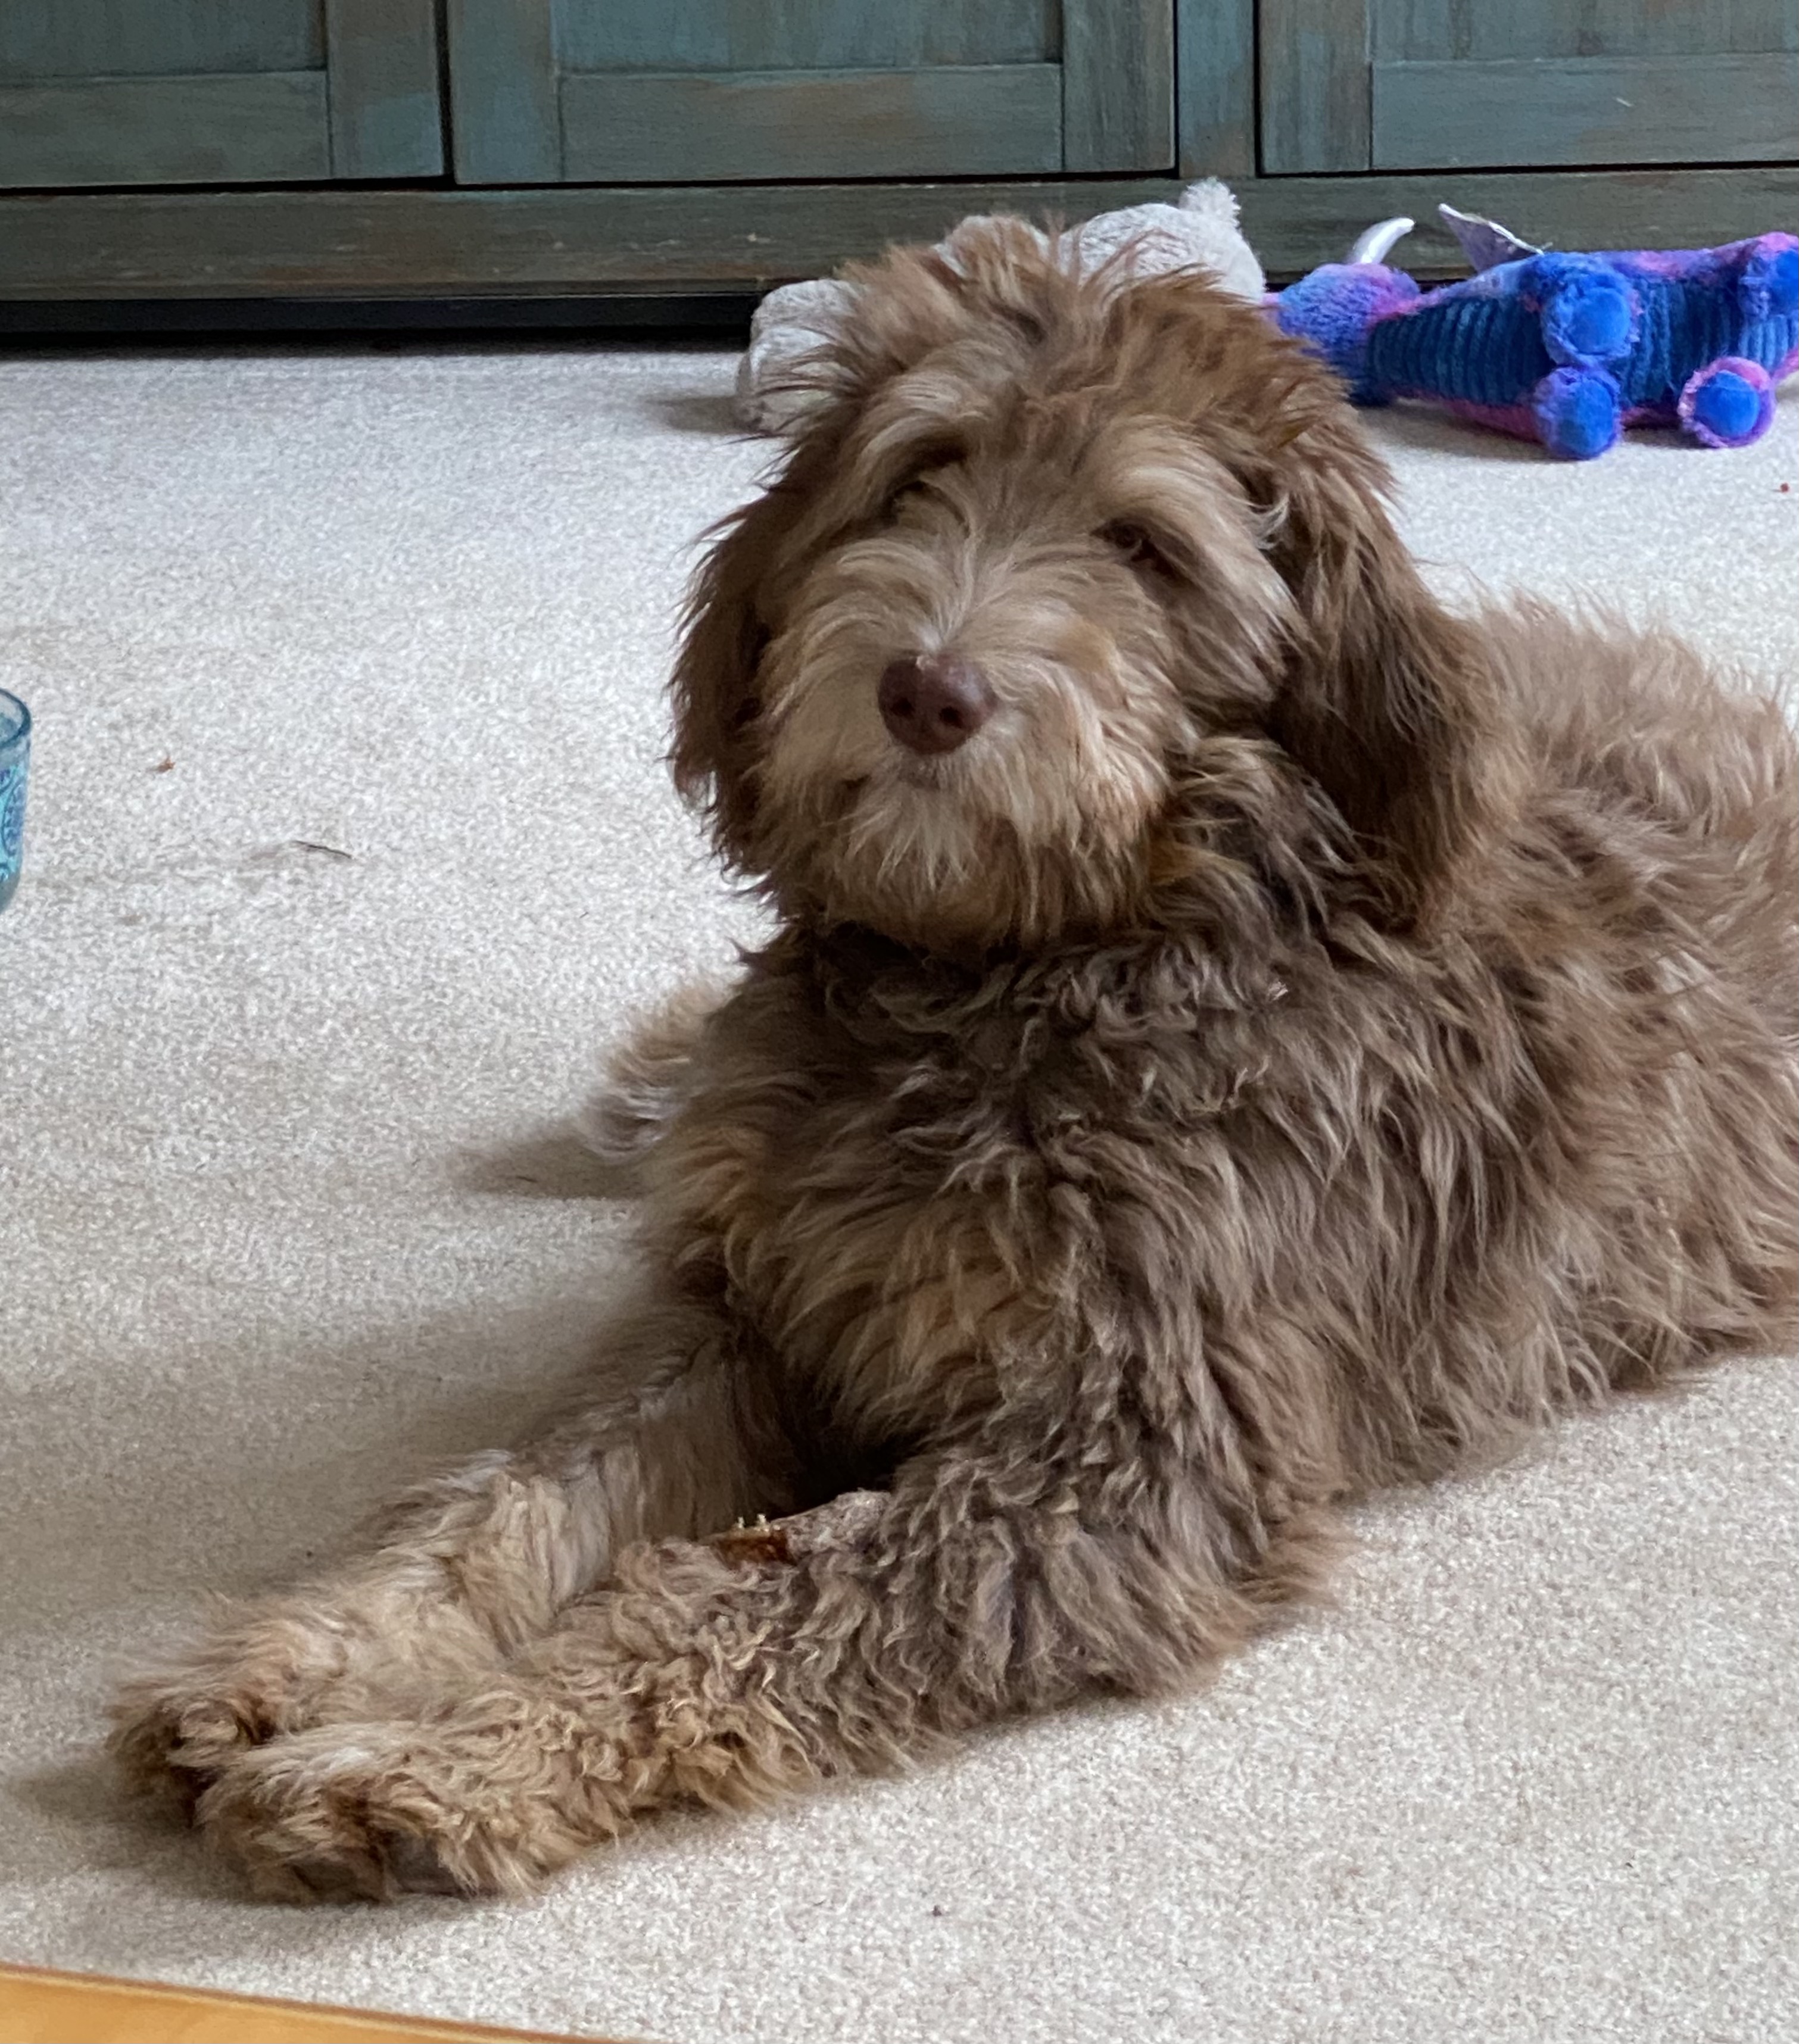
1074	595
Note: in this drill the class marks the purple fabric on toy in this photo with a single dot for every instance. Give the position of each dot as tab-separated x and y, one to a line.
1334	308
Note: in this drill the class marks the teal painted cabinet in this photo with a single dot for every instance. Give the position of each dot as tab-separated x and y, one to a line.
711	92
1401	85
169	92
583	151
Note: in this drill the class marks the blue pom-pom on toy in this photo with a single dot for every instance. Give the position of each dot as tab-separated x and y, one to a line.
1769	287
1579	412
1729	404
1589	313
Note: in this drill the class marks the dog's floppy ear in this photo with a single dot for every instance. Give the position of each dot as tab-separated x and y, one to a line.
753	555
1386	701
714	690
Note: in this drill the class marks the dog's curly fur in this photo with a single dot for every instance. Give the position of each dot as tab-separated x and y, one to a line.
1303	1039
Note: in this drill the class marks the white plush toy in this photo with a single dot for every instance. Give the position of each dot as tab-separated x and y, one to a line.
799	319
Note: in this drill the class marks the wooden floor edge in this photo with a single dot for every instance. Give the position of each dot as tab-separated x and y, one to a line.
43	2005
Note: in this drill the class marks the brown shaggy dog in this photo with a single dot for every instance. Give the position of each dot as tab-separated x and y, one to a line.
1237	1035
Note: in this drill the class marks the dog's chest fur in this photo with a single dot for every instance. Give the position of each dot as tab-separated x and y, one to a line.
901	1189
871	1216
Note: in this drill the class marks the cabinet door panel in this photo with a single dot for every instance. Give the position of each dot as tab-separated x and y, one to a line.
41	40
1358	85
822	35
1117	101
823	124
221	128
1422	28
1442	114
117	92
622	91
1314	85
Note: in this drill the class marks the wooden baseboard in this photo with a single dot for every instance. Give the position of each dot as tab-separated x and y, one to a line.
60	322
39	2006
398	243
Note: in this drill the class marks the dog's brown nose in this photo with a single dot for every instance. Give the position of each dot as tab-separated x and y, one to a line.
933	702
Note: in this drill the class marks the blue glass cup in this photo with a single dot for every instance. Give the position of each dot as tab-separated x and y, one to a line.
15	758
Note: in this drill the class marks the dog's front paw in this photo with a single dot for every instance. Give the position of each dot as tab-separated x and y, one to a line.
333	1814
377	1812
176	1728
178	1725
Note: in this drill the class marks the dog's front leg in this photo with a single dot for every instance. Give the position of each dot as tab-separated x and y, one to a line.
473	1563
1001	1574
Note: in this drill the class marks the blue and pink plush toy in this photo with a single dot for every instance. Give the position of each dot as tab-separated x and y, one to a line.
1567	350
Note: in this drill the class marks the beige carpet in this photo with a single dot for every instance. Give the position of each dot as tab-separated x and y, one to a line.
278	1227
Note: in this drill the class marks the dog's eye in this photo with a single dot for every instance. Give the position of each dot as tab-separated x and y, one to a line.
908	492
919	478
1135	547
